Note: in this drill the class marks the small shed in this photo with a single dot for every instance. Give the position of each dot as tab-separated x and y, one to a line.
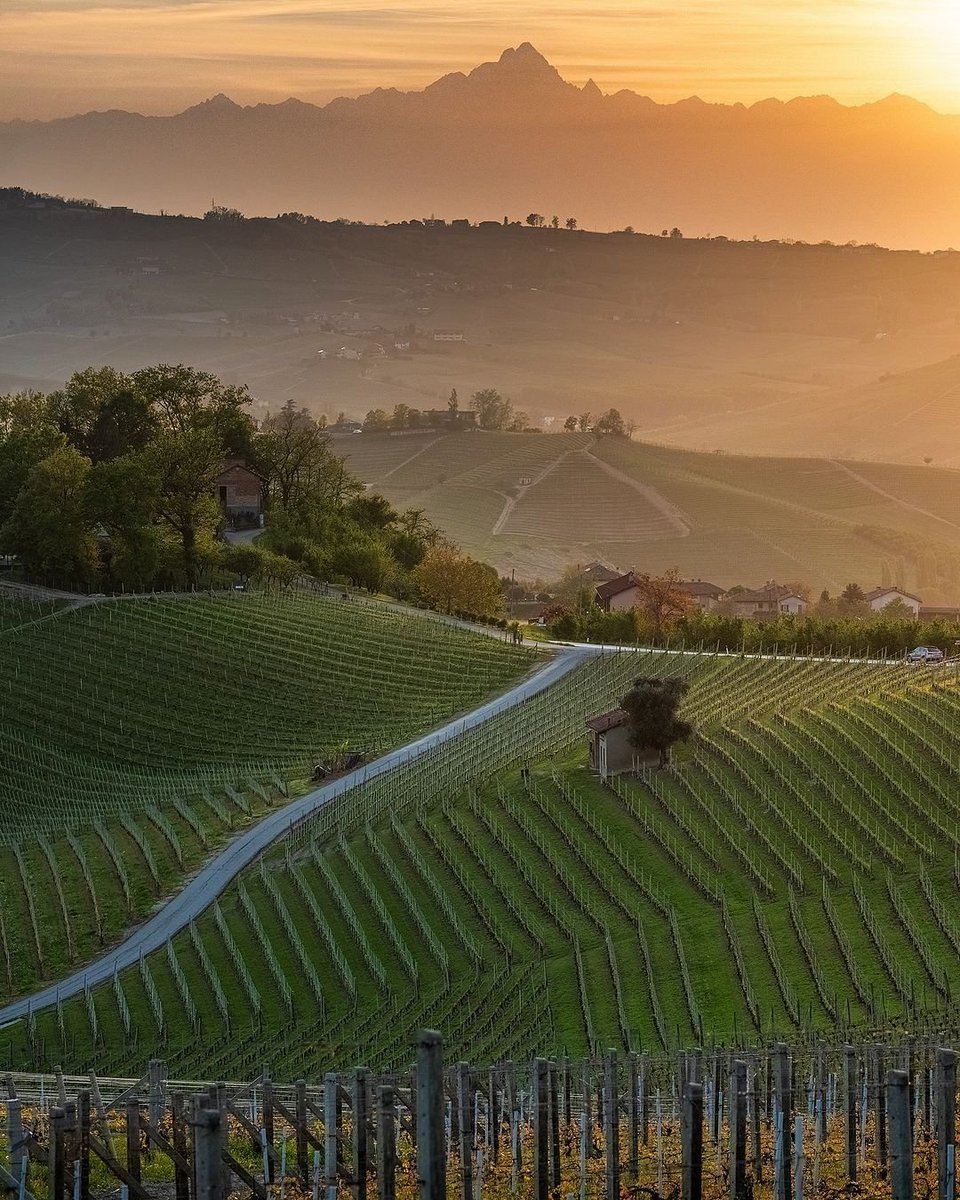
610	748
240	492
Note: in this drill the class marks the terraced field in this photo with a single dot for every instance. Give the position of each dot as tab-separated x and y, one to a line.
794	872
136	736
538	504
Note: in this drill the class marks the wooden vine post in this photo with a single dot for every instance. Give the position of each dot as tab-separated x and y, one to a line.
900	1111
946	1084
431	1136
737	1099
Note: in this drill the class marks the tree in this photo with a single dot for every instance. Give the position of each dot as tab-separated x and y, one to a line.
376	421
554	222
584	422
27	437
186	465
453	403
571	223
535	220
570	424
401	416
492	409
49	529
452	582
246	562
675	232
610	422
652	707
518	422
103	413
291	449
122	500
182	398
661	599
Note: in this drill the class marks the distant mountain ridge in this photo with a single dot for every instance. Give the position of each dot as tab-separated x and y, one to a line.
513	136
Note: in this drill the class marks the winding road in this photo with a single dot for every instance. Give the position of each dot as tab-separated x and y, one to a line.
217	874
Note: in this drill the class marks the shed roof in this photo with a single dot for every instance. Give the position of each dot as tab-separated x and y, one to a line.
610	720
891	591
623	583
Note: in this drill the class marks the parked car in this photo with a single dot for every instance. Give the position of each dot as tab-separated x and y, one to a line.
925	654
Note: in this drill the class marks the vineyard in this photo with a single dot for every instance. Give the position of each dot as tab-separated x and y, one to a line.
789	875
137	736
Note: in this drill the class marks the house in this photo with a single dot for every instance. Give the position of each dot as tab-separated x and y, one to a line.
448	335
240	491
706	596
880	597
940	612
619	593
610	749
597	572
769	601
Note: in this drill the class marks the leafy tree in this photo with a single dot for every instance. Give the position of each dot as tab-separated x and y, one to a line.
371	511
401	416
652	707
554	222
292	449
518	422
584	422
186	465
376	421
535	220
122	500
571	223
675	232
27	437
610	422
103	413
661	599
451	581
570	424
49	529
453	403
493	410
245	561
183	398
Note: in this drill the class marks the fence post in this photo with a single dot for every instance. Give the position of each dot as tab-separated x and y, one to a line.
465	1127
57	1172
644	1104
133	1138
554	1098
386	1144
267	1106
431	1138
181	1177
83	1144
691	1139
611	1125
901	1135
633	1133
358	1102
737	1099
15	1142
781	1065
850	1109
541	1145
207	1153
157	1073
493	1118
331	1131
946	1122
881	1110
303	1164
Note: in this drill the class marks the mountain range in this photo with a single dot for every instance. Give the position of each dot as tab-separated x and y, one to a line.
512	137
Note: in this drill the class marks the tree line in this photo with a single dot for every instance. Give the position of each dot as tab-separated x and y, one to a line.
110	483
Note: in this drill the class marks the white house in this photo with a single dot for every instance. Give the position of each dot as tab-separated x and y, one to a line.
880	597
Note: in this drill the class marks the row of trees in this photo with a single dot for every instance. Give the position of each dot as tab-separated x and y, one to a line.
110	483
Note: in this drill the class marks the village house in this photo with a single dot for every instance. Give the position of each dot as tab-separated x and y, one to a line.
619	593
598	572
706	596
240	491
880	597
448	335
771	600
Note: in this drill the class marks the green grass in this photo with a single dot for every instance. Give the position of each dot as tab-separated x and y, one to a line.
561	914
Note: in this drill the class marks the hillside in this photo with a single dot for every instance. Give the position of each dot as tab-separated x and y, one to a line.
756	347
772	169
559	915
138	735
536	505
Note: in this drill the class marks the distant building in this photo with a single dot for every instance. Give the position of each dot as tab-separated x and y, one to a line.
597	572
939	612
240	491
880	597
771	600
448	335
619	593
443	418
706	596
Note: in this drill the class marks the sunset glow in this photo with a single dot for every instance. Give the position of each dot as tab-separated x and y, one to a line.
165	54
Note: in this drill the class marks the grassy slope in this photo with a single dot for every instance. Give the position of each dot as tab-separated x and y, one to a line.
139	735
749	519
803	773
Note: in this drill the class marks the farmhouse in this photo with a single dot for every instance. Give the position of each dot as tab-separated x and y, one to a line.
448	335
240	491
880	597
617	594
706	596
610	749
768	601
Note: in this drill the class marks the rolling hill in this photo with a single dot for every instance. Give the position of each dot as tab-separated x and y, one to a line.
538	504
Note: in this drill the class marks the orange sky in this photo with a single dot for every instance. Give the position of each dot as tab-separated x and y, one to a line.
64	56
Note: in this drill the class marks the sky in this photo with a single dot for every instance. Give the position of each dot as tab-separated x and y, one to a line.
58	57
